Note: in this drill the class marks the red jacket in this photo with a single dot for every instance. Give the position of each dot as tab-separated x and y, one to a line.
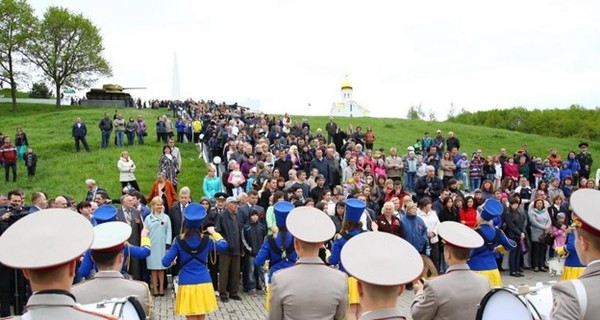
469	217
8	153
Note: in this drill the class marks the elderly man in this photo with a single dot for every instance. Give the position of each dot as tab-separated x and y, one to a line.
429	185
229	225
93	189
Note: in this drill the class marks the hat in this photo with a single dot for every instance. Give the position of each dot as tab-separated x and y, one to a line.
585	205
491	209
382	259
310	224
105	213
410	148
439	131
459	235
194	214
232	199
110	236
281	210
354	209
221	195
41	240
584	144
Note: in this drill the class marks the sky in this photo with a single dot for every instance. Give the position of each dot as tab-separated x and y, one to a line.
292	56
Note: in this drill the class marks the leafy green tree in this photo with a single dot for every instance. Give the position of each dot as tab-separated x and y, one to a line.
16	27
68	49
40	90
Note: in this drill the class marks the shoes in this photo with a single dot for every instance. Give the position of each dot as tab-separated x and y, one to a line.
514	274
543	269
236	297
258	288
520	274
217	293
253	293
536	269
224	299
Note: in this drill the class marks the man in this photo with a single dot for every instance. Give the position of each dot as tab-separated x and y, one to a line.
128	214
331	127
555	190
229	226
253	236
38	202
438	204
429	185
284	165
177	210
60	202
50	270
137	203
92	190
310	289
378	288
577	299
320	164
585	160
437	298
108	282
452	142
315	193
106	127
101	198
394	165
79	131
440	143
8	156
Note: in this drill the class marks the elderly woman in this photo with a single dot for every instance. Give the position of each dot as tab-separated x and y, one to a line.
541	225
387	221
432	222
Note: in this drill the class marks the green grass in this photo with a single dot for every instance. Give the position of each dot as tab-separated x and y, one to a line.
20	95
63	171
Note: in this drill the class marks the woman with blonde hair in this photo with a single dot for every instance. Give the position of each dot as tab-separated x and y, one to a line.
294	157
159	228
211	183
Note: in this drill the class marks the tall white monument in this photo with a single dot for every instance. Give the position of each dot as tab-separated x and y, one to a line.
175	87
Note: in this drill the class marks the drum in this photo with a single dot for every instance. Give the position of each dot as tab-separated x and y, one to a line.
128	308
502	304
555	266
540	302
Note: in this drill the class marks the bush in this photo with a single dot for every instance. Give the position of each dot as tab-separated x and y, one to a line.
40	90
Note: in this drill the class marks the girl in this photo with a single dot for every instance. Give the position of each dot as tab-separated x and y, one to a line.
159	227
498	172
236	178
573	267
559	232
195	296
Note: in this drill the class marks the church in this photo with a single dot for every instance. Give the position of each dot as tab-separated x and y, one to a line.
347	107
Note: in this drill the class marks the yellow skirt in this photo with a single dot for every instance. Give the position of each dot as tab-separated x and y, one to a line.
195	299
570	273
268	302
353	291
493	277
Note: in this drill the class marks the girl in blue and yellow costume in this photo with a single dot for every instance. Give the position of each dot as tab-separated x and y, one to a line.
483	259
573	266
108	213
195	295
350	227
278	249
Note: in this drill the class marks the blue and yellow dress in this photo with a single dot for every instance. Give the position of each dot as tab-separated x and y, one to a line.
130	251
195	294
334	259
483	259
279	259
573	266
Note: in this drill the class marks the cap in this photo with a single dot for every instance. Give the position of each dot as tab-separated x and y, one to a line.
459	235
354	209
194	214
110	236
310	224
105	213
380	258
491	208
585	205
320	176
41	240
220	195
232	199
410	148
583	144
281	210
439	131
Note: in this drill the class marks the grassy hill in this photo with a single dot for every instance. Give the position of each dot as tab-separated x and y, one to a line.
63	171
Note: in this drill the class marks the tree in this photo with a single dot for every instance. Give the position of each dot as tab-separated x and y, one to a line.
39	90
431	115
16	28
68	49
415	112
451	111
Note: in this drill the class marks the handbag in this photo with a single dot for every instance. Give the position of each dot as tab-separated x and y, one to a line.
524	247
145	134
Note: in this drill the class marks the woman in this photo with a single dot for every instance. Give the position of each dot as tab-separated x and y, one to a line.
164	189
475	171
541	225
294	157
350	228
387	221
130	129
432	222
338	217
278	248
211	183
468	213
498	172
126	172
195	295
369	138
449	212
515	220
278	196
140	130
21	142
524	167
167	164
327	198
489	169
448	167
511	170
85	209
159	227
487	189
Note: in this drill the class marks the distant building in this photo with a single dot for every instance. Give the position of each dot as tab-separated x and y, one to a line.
348	107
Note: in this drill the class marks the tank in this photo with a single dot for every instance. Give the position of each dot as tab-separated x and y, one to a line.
109	92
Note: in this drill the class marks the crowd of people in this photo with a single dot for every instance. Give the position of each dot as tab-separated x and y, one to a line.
261	168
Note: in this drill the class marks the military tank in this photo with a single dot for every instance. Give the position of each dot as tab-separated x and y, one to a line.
110	92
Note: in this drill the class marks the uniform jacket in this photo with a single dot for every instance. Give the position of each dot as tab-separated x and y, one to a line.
338	244
484	258
383	314
112	284
566	304
309	290
87	264
572	259
438	299
277	263
58	304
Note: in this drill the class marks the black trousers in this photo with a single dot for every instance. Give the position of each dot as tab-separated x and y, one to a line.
8	279
538	254
31	171
83	141
13	166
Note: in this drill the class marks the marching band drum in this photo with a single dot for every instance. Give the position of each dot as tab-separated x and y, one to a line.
523	303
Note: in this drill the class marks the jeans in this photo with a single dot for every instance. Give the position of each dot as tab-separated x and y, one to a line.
119	135
475	182
514	258
251	273
105	139
462	176
130	137
140	137
410	181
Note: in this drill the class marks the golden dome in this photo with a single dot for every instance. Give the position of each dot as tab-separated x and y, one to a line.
346	84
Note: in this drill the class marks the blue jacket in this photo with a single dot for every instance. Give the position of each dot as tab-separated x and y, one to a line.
414	230
572	258
194	272
484	257
277	263
338	244
134	251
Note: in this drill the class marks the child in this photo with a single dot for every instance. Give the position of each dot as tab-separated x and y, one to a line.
252	238
30	161
567	186
559	234
461	167
236	178
251	179
565	171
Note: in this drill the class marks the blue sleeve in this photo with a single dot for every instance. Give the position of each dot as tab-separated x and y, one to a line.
570	245
263	254
508	244
222	245
137	252
86	265
334	258
171	255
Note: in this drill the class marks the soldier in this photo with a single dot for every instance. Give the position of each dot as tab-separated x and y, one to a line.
574	299
310	289
382	263
107	253
585	160
436	298
47	256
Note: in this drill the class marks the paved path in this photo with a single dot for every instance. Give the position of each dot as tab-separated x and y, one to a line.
252	307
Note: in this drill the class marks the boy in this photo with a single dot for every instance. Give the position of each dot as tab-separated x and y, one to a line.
30	159
252	238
